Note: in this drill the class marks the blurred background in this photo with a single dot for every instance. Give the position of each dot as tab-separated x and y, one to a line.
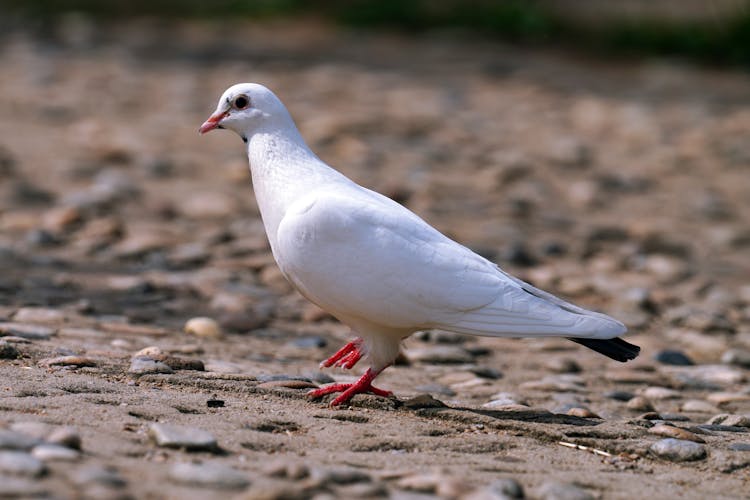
598	149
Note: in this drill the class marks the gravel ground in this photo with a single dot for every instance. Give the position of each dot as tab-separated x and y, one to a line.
622	186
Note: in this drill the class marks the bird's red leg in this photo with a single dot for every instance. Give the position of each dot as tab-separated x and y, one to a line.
364	384
343	355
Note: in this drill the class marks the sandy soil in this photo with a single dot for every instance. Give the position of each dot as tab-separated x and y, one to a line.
622	186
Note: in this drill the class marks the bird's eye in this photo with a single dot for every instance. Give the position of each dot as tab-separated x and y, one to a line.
241	102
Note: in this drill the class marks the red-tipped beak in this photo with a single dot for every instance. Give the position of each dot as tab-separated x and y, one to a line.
213	121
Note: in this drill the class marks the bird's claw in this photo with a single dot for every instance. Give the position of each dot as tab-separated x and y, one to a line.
346	357
361	386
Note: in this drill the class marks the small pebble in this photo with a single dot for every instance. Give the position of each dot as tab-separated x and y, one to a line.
698	406
215	403
338	475
673	357
737	357
95	474
208	474
674	432
678	450
722	398
286	469
177	436
660	393
10	440
582	412
54	452
77	361
8	351
37	430
203	327
732	420
21	464
639	403
500	489
65	436
26	331
38	315
423	401
562	491
142	365
619	395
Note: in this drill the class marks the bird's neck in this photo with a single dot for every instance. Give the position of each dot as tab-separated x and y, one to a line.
283	169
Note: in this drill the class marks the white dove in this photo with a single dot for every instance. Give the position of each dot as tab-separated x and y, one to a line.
375	265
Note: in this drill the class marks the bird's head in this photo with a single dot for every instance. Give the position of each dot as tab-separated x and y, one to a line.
246	107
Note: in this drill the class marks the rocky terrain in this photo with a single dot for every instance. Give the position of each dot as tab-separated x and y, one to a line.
620	185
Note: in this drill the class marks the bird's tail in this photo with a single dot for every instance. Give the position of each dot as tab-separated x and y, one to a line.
615	348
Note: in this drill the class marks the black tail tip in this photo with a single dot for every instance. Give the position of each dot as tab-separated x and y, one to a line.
616	348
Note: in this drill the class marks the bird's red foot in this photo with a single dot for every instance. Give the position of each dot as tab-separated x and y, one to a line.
346	357
361	386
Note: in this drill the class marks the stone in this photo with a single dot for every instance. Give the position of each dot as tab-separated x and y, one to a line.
177	436
502	399
732	420
26	331
500	489
423	401
423	483
10	440
37	430
709	374
739	446
142	365
439	354
338	475
21	464
553	490
722	398
660	393
619	395
581	412
203	327
65	436
151	351
675	432
639	403
96	474
673	357
678	450
286	469
54	452
737	357
75	361
8	351
209	475
698	406
38	315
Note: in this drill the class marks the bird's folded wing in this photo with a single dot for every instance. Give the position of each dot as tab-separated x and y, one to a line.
359	254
